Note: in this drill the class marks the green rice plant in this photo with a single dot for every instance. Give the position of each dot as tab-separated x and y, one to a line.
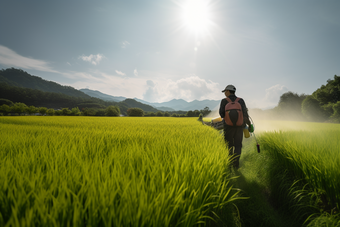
305	167
87	171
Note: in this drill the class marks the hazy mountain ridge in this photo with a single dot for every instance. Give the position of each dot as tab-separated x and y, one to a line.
105	97
19	78
173	105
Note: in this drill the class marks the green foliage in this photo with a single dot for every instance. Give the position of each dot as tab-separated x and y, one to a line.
159	114
205	111
135	112
312	110
42	110
289	107
112	111
190	113
75	111
50	112
19	108
329	92
336	111
58	112
5	109
66	111
32	110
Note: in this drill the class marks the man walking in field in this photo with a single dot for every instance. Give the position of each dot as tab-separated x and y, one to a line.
235	114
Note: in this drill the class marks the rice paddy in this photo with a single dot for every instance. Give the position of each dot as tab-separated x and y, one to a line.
77	171
92	171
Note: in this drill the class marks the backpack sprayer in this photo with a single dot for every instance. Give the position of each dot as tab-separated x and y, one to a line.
217	123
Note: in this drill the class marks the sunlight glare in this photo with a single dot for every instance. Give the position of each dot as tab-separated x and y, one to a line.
196	15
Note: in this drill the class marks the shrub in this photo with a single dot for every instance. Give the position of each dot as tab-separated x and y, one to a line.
112	111
42	110
138	112
159	114
50	112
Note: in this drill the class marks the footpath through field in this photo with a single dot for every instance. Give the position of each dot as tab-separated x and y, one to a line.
258	210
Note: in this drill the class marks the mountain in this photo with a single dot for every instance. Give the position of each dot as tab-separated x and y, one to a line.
100	95
17	85
173	105
180	104
20	78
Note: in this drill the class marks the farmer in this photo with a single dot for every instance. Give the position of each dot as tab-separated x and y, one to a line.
233	135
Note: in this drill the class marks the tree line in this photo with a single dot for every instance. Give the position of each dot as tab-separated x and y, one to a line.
9	108
323	105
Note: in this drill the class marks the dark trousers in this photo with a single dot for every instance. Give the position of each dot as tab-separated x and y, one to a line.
233	137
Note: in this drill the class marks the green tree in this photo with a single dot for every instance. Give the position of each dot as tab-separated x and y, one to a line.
329	92
66	111
159	114
206	111
312	110
19	108
112	111
336	113
100	112
135	112
196	113
166	114
42	110
50	112
5	109
31	110
58	112
289	106
190	113
75	111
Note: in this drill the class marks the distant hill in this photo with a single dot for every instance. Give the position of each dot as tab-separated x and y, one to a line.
180	104
20	78
17	85
173	105
98	94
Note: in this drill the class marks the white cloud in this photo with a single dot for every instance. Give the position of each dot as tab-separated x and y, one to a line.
151	94
271	98
120	73
9	58
273	93
111	84
93	59
125	44
189	88
135	72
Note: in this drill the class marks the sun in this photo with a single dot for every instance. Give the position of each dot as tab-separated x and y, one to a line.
196	15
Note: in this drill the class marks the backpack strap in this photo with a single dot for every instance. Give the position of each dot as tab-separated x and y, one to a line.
229	100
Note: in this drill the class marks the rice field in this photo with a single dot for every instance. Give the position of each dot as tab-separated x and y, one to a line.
310	158
88	171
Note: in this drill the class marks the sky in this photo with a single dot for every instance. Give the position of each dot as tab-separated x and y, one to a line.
159	50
